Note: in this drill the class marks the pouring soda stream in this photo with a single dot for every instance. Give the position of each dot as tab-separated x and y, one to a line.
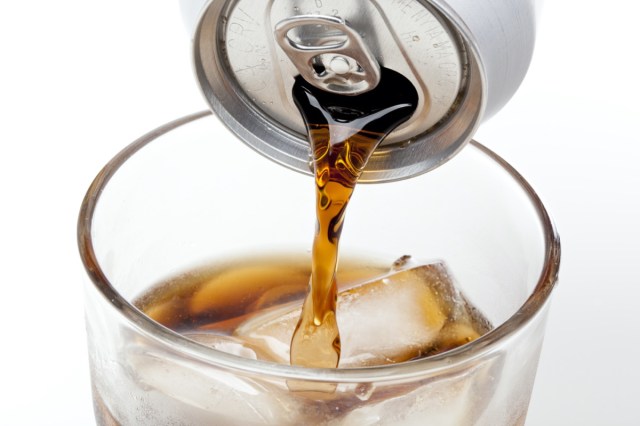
349	106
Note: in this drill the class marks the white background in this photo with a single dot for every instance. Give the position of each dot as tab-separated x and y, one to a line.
79	80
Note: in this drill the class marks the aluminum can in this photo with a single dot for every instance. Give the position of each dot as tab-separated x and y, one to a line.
465	57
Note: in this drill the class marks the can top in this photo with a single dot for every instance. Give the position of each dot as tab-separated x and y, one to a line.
248	52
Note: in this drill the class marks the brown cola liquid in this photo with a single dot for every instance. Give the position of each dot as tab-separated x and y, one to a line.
219	297
344	131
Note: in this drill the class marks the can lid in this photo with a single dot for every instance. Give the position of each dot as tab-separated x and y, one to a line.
248	52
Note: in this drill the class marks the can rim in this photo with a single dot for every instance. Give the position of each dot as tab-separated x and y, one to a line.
428	366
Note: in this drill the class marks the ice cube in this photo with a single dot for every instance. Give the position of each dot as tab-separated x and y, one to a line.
222	343
173	390
459	397
403	315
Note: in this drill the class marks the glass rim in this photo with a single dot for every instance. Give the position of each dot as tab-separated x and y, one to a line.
422	367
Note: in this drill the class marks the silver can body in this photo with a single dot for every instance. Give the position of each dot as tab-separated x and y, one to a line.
465	57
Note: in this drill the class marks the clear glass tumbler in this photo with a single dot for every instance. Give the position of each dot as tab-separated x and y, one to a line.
180	197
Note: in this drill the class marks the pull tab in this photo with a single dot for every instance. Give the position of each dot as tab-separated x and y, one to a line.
328	53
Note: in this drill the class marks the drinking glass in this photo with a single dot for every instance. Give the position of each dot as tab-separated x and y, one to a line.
188	194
